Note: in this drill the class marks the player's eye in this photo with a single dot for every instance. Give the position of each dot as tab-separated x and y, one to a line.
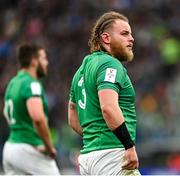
125	33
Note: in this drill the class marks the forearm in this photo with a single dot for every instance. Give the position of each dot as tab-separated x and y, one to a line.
43	132
36	112
77	129
115	121
74	124
113	116
73	118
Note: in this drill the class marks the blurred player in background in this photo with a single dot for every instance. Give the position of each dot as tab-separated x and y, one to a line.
29	149
101	106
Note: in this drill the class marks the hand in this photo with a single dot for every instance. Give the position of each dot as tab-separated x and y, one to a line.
131	159
50	151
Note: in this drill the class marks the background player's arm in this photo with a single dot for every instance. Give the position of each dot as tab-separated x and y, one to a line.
35	109
114	118
73	118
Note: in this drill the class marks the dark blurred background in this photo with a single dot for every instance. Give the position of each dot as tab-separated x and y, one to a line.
63	27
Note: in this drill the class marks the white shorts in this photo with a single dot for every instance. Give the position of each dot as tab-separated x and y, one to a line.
104	162
22	159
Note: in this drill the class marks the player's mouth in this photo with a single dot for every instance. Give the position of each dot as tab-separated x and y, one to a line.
130	46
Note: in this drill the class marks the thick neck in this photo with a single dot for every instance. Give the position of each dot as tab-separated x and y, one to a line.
107	49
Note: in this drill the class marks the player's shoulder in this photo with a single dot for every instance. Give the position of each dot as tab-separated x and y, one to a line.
27	82
13	81
31	86
26	78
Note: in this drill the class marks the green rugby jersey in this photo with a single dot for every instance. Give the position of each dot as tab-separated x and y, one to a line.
19	89
101	71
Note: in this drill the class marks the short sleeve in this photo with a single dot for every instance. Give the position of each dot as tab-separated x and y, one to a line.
72	93
32	89
110	75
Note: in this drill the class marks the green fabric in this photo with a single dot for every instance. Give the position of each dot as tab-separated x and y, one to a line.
19	90
101	71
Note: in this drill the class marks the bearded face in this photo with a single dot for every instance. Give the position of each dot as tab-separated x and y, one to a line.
120	51
40	71
42	67
119	40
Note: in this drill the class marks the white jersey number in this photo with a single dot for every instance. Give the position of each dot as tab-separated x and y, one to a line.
8	112
82	103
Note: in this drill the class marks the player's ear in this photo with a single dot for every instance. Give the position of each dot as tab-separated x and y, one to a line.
106	38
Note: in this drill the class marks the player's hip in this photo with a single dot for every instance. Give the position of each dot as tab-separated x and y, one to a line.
104	162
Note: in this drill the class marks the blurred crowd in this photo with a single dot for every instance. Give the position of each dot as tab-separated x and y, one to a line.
63	27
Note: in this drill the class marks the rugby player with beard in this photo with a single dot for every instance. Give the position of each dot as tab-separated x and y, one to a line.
102	101
29	148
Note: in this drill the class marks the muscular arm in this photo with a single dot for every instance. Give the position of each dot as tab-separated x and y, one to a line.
114	118
35	109
73	118
110	108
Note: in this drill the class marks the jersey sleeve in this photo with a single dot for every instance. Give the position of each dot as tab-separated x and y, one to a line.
32	89
110	75
72	93
72	96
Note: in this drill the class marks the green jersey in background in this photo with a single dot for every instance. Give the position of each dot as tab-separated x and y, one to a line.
19	90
